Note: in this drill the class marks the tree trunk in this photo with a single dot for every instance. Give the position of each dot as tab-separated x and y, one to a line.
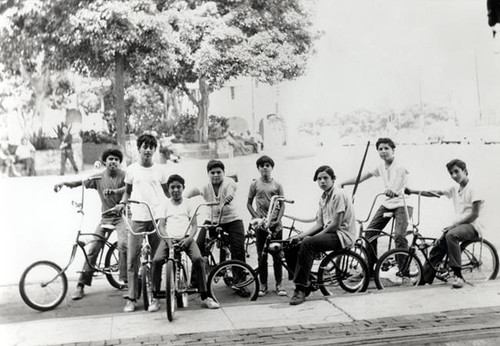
203	111
120	100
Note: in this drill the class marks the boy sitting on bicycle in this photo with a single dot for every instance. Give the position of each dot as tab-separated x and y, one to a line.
466	225
395	178
262	190
334	229
146	182
178	217
110	187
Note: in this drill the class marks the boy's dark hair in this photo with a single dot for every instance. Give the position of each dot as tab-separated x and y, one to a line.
175	177
326	169
384	140
215	164
456	162
112	152
264	159
148	140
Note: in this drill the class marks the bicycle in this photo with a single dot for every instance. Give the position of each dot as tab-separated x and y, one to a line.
43	285
343	267
403	267
364	245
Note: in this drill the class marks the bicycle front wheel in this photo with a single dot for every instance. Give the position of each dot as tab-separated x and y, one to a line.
43	285
479	260
146	286
233	281
396	268
170	288
112	264
343	268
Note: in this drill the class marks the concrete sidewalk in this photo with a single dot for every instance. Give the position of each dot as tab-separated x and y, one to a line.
343	309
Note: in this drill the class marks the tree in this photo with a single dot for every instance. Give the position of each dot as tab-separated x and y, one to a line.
270	40
130	39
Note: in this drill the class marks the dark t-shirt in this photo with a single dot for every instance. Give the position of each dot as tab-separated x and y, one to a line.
68	139
262	192
104	181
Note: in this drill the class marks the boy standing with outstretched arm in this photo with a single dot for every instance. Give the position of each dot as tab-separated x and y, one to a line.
110	186
262	190
145	182
395	178
466	225
178	217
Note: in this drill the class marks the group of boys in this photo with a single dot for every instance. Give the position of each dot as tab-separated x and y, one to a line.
334	227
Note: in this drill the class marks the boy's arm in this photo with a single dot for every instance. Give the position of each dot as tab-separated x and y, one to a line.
126	196
192	193
352	181
70	184
165	190
468	218
231	190
334	226
250	208
110	192
429	193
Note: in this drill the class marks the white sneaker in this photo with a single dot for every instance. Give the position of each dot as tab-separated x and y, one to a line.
154	306
209	303
129	306
280	291
459	283
262	290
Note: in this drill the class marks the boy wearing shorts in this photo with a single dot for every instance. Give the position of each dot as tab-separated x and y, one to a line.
262	190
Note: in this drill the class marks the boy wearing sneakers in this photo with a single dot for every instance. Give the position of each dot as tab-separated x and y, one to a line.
262	190
145	182
178	217
467	224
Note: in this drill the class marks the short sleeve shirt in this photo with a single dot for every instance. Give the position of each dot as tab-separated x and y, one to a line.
262	191
68	139
178	218
227	187
147	187
462	202
104	181
332	203
395	178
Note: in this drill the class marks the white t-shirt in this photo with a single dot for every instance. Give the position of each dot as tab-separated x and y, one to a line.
462	202
395	178
146	187
178	218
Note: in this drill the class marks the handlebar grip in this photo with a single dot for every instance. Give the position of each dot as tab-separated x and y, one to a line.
133	201
291	201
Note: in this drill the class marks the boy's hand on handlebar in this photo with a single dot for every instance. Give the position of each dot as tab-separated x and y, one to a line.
108	192
390	193
228	199
185	242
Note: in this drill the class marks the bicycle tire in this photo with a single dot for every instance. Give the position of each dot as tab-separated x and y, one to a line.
233	281
31	288
388	274
386	237
479	260
170	289
344	268
146	286
112	263
181	288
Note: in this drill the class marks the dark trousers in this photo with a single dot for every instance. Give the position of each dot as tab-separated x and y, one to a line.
29	165
379	222
449	243
67	154
493	7
236	238
301	256
261	236
193	253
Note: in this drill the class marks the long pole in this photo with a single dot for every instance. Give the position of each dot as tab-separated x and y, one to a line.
360	171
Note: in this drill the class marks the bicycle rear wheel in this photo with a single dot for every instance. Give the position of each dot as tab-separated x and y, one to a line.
170	288
233	281
146	286
43	285
479	260
112	264
343	268
388	272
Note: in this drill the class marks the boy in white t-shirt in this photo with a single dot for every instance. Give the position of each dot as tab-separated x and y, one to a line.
466	225
146	182
178	218
395	178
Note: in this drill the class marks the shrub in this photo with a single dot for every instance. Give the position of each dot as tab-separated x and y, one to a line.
97	137
217	126
42	142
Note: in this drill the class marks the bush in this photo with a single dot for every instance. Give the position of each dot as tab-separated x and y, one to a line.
43	142
217	126
97	137
184	128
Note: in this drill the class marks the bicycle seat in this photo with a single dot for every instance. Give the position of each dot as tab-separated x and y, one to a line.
108	227
388	214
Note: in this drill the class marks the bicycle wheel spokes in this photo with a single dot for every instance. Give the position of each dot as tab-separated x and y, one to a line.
397	268
232	282
479	261
345	269
41	288
147	286
170	288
